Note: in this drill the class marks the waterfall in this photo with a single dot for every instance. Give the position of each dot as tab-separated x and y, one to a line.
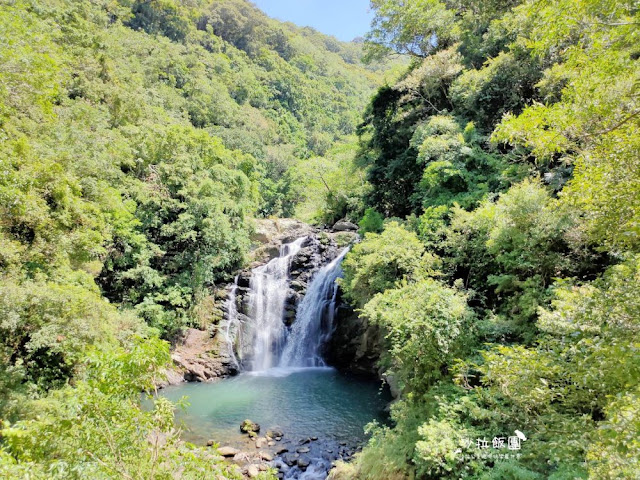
314	319
262	340
232	329
269	285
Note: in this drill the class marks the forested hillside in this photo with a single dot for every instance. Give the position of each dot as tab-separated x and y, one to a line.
489	151
138	139
501	263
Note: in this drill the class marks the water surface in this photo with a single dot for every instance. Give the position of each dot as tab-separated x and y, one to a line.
303	402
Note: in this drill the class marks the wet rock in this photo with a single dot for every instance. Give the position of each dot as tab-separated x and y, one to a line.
304	441
228	451
249	426
244	279
281	450
303	450
298	286
303	462
290	459
275	432
313	439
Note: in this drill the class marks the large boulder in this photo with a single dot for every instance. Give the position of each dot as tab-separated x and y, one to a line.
344	226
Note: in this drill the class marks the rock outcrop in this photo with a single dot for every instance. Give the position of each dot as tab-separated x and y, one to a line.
355	344
198	357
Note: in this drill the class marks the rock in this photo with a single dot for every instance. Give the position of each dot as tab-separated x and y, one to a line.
303	462
313	439
289	458
281	450
244	279
228	451
298	286
271	444
304	441
242	458
278	439
173	377
249	426
303	450
210	443
267	457
253	471
261	442
344	226
275	433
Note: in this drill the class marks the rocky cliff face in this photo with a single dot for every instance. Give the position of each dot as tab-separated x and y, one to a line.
355	344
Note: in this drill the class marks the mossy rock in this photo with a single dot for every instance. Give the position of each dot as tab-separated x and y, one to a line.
249	427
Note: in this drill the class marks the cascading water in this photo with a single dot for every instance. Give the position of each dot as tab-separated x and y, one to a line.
269	285
269	343
232	329
314	319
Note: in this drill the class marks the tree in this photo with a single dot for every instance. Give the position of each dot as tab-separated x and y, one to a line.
415	27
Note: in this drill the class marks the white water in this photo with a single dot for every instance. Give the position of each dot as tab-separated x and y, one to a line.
232	323
269	285
314	319
270	346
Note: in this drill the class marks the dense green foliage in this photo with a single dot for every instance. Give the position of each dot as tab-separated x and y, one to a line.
496	183
510	149
138	139
96	429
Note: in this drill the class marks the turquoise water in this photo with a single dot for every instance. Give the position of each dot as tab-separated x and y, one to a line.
309	402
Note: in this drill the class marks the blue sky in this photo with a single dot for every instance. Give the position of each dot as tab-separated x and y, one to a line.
345	19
